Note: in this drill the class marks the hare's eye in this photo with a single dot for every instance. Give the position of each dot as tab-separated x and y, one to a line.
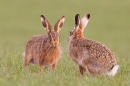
71	33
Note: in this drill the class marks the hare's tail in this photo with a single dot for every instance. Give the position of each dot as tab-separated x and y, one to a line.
23	54
113	70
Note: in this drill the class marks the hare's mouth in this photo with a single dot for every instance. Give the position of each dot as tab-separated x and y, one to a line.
55	45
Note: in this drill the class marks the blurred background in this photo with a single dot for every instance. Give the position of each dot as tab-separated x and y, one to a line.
20	19
109	22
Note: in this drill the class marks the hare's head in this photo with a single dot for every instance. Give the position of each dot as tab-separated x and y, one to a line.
53	35
77	32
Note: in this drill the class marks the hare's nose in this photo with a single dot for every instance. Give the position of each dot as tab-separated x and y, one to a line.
56	44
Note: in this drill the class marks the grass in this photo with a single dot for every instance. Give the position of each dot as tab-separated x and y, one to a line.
19	20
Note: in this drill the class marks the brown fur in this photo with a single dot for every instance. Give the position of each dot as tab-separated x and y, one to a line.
90	55
44	50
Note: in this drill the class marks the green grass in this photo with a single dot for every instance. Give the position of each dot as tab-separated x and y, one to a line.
19	20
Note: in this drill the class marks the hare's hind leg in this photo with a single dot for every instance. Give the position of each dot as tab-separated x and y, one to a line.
42	67
27	60
82	70
93	69
41	60
54	66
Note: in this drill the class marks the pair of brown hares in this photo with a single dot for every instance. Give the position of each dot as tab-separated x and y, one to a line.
90	55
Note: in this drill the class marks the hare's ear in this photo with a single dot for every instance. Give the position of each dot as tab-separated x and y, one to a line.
59	24
77	23
46	23
77	20
84	22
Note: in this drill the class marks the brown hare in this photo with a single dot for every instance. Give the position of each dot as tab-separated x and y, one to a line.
88	54
44	50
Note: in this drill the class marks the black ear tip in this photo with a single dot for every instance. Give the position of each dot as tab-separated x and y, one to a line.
77	19
88	16
62	16
77	15
42	16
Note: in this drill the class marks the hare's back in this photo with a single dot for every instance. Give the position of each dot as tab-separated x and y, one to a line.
100	55
93	51
98	50
37	42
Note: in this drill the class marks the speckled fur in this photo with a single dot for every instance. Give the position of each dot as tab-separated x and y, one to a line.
89	54
44	50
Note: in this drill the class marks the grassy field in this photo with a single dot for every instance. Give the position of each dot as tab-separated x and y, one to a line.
19	20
